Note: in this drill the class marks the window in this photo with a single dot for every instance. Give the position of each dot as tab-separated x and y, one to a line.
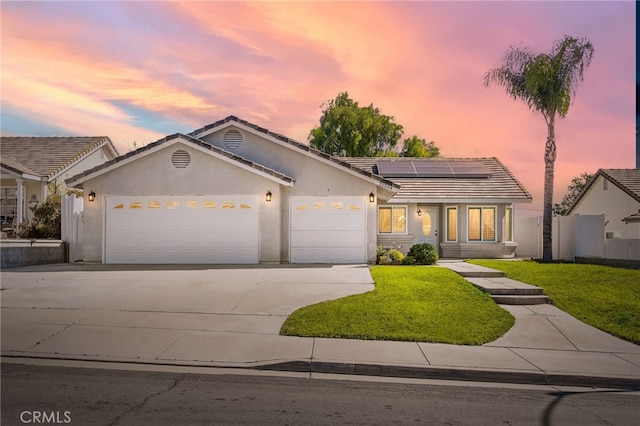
426	223
8	203
392	220
452	224
508	224
481	224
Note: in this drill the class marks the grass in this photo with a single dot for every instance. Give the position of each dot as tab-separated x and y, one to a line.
605	297
409	303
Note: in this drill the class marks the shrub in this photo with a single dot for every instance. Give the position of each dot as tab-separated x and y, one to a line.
423	254
396	257
381	255
46	222
408	260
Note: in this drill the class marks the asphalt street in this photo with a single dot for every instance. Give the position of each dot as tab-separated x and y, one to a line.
89	396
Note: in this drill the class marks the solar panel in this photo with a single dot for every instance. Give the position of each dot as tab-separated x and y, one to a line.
432	168
396	168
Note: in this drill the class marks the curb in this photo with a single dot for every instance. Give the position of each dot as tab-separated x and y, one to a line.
461	374
378	370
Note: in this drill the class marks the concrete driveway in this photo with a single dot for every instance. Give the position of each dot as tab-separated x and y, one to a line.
154	311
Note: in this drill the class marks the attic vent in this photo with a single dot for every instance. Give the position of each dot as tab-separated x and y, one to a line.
232	139
180	159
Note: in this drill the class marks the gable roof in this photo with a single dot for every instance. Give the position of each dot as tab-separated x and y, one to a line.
628	180
295	145
496	184
275	175
46	157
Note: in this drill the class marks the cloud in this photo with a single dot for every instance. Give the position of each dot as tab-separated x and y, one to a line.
135	70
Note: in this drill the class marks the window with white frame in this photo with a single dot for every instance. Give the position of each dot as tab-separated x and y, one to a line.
451	224
481	223
8	203
392	220
508	224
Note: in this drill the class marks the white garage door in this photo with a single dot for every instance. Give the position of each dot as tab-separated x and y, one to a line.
189	229
328	230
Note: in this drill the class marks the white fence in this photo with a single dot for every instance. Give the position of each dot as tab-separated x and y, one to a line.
72	208
573	236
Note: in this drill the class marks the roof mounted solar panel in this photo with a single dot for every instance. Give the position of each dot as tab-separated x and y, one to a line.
425	168
396	168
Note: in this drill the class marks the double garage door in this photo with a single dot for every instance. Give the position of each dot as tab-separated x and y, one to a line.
196	229
226	229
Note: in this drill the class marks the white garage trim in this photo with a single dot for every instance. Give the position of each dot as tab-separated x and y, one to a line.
328	230
182	229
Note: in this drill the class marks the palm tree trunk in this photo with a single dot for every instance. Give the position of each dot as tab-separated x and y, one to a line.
547	215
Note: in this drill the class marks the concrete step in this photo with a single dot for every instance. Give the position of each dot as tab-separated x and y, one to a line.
504	286
503	290
465	269
503	299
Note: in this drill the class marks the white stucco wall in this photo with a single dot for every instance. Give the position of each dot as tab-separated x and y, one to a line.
92	160
153	174
614	203
313	178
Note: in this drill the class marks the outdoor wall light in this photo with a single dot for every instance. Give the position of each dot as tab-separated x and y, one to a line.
372	197
419	212
91	196
268	196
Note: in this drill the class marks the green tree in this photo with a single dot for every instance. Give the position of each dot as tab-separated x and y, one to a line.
348	129
418	147
573	190
547	83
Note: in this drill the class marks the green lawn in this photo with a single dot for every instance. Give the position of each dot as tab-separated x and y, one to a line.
604	297
409	303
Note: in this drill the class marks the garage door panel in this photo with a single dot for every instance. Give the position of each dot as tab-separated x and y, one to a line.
195	256
328	230
190	229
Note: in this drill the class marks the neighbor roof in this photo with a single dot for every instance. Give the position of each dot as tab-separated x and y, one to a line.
628	180
495	184
47	156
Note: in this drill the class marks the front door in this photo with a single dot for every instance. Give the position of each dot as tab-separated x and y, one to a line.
429	225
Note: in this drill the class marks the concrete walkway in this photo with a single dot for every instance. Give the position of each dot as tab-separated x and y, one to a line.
230	317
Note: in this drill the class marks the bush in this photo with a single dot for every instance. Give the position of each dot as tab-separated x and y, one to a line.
381	255
423	254
396	257
46	222
408	260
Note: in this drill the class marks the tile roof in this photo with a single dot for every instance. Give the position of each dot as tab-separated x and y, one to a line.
297	145
193	140
628	180
46	156
500	185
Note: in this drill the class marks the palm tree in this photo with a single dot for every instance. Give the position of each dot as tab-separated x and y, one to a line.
547	84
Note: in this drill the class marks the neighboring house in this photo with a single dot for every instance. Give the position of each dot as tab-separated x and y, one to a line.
616	194
233	192
29	164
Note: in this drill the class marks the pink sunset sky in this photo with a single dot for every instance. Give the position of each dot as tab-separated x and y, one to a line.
136	71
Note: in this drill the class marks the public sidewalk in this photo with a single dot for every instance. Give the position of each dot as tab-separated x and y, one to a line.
545	346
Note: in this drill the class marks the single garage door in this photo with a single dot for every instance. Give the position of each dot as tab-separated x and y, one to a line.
328	230
185	229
